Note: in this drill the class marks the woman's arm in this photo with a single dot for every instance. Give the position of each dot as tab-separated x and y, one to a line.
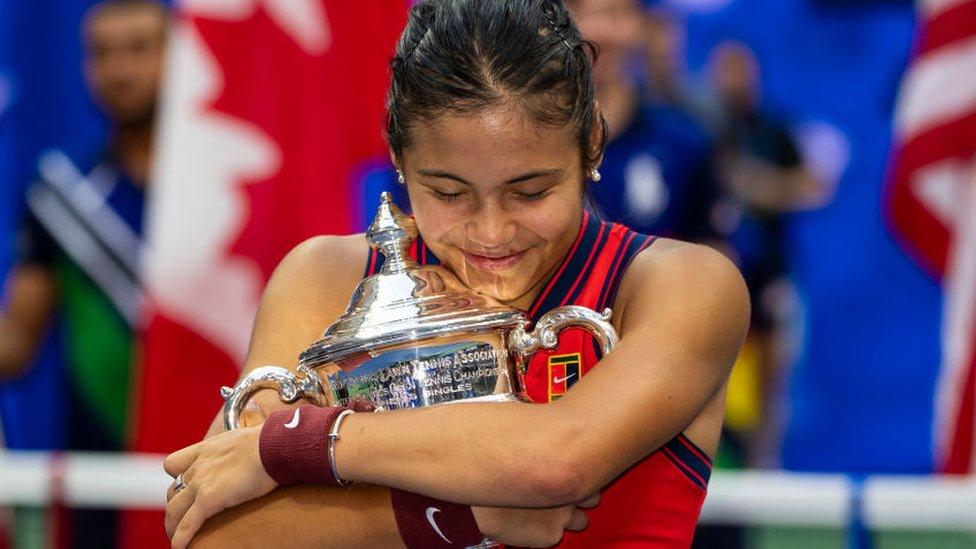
683	318
26	308
361	516
306	516
309	289
683	313
315	516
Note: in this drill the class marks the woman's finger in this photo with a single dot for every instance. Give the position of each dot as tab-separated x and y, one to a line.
577	521
185	477
191	522
590	502
180	461
177	507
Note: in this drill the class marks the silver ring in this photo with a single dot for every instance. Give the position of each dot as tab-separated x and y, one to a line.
178	484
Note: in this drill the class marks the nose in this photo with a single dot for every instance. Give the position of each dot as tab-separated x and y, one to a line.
490	227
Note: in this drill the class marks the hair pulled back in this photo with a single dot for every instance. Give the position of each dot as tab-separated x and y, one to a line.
458	56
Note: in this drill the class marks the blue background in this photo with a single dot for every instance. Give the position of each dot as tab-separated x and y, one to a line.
860	397
46	107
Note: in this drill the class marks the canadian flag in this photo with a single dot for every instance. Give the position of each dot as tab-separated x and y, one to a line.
269	108
932	205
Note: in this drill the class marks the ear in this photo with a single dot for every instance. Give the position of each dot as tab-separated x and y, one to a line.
393	159
597	140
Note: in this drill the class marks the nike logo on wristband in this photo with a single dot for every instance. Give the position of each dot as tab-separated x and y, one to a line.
294	420
430	519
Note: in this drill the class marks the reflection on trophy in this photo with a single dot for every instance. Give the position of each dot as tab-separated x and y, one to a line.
414	335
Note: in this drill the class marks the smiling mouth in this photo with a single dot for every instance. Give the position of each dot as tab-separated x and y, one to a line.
494	263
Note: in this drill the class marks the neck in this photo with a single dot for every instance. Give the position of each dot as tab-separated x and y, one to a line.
618	101
739	104
132	147
525	301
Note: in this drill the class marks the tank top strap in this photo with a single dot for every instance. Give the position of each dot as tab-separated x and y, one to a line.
594	267
628	246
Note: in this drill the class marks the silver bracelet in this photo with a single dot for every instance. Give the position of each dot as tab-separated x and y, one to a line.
333	438
486	543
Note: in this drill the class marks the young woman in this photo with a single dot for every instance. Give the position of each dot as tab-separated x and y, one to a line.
494	128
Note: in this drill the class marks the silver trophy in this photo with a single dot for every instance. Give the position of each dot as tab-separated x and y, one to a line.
414	335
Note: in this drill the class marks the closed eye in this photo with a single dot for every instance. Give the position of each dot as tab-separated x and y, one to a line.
530	197
446	197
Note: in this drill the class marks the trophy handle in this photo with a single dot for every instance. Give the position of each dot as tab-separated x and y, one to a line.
523	343
290	388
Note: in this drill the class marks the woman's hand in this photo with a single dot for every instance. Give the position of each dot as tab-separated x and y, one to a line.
219	472
532	527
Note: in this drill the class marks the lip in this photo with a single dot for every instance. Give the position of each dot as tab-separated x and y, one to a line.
494	263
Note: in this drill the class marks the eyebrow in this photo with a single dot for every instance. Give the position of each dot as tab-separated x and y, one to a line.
517	179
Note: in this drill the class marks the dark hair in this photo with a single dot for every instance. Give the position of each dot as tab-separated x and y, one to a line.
157	5
462	55
105	6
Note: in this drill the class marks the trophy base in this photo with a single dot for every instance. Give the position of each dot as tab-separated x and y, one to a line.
501	397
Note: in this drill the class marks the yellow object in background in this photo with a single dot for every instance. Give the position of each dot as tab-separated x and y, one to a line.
744	402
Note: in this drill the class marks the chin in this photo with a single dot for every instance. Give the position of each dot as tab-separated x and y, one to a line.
503	289
504	286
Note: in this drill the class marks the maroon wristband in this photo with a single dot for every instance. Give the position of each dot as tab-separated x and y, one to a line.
431	523
294	445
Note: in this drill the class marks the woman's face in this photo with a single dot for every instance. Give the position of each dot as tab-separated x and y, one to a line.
496	197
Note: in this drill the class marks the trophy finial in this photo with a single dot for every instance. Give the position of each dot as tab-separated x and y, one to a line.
392	232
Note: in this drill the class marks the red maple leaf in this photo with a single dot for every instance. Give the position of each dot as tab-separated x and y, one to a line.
325	112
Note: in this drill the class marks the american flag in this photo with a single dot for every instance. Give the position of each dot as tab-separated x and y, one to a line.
931	205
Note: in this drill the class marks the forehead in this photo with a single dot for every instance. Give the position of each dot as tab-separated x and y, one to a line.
108	21
489	143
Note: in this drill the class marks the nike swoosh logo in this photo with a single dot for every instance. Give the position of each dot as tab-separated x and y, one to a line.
562	379
294	420
430	519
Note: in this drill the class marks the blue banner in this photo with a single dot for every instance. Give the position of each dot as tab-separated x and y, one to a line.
860	395
43	105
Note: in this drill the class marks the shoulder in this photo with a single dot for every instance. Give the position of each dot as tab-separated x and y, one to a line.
339	256
323	250
320	268
673	267
308	290
685	284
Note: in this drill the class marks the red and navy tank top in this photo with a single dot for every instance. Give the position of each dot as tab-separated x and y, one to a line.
657	501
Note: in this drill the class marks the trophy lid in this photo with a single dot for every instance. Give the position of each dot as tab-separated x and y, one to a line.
404	302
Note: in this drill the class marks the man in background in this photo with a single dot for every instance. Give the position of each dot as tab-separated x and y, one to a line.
656	170
81	241
662	41
764	178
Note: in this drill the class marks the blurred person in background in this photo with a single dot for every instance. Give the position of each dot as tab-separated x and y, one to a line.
81	241
656	172
763	178
662	41
759	160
